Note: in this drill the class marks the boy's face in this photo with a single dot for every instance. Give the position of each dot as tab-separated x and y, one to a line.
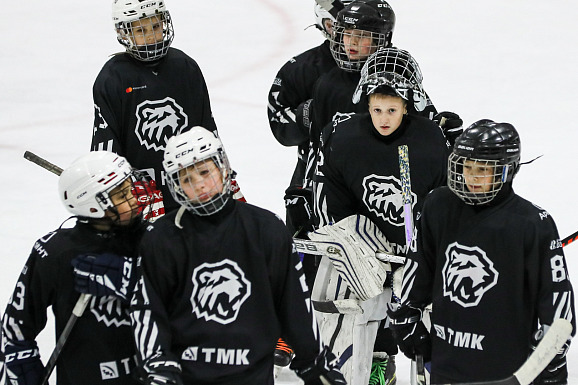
201	181
147	31
386	112
479	176
126	204
358	44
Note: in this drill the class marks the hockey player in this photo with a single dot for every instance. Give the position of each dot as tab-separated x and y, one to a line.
103	192
288	112
492	264
220	282
359	174
148	93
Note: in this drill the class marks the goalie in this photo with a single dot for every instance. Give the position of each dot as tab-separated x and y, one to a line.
357	186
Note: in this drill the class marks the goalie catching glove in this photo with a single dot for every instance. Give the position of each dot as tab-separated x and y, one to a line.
351	247
104	274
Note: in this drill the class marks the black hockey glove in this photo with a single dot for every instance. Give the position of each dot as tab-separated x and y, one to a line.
323	371
451	125
409	331
162	371
23	365
298	205
303	116
556	373
104	274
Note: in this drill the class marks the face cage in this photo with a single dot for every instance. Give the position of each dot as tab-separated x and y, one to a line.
147	52
457	180
141	188
337	48
216	203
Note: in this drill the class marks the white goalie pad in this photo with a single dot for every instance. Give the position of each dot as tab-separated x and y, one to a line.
355	241
351	333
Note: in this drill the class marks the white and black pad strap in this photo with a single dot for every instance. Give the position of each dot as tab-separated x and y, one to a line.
351	246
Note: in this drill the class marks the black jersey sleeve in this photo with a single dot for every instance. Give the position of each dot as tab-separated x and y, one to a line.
556	292
106	134
34	292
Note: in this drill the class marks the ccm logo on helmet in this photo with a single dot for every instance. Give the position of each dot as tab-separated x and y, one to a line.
462	147
184	153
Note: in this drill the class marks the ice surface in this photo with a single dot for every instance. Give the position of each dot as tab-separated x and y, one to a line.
509	61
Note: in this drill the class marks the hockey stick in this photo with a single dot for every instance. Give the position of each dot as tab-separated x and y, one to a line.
569	239
553	341
404	176
76	314
42	162
331	6
82	301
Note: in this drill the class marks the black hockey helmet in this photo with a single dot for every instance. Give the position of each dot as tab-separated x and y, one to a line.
493	146
374	16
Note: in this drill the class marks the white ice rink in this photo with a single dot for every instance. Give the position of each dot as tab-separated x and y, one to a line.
511	61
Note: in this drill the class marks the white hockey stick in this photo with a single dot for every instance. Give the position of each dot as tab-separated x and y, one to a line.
82	301
553	341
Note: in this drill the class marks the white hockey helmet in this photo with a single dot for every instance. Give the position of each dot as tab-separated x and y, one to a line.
195	152
126	15
321	15
85	185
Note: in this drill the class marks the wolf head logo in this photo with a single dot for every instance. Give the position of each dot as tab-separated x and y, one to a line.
219	290
467	274
157	121
382	195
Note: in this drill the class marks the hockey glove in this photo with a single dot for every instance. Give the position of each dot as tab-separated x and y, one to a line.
104	274
324	371
162	371
451	125
556	373
409	331
298	205
23	363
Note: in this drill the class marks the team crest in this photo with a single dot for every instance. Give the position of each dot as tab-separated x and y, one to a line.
219	290
467	274
157	121
383	196
110	311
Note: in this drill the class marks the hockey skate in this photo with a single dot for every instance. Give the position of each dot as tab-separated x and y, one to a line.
383	370
283	354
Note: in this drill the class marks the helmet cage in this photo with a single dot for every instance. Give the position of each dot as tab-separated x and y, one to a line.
147	52
338	50
485	185
195	152
394	68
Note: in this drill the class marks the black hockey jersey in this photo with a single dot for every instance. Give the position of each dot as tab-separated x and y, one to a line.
217	292
292	89
493	273
138	106
100	348
358	172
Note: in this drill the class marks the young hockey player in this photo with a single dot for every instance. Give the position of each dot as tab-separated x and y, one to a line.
359	174
148	93
103	192
492	264
220	282
288	112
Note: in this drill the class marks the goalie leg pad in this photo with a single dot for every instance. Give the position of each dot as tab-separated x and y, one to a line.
351	247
